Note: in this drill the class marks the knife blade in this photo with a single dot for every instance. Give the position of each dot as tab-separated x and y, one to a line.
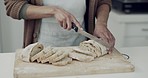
84	33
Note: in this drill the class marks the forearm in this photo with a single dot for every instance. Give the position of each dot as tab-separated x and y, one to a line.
101	29
103	14
21	9
38	12
64	18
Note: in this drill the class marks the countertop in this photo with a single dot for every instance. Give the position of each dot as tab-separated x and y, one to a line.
138	57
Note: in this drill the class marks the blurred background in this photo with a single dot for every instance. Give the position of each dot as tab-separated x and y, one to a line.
128	21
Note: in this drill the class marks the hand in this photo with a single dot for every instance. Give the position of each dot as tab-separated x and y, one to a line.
102	31
65	18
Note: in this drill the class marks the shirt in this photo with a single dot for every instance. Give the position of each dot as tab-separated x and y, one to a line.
52	34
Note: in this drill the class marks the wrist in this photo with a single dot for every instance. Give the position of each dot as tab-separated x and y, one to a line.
98	23
49	10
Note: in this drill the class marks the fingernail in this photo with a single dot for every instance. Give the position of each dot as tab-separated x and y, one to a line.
110	52
81	28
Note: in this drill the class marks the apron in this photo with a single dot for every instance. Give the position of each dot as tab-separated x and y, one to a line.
52	34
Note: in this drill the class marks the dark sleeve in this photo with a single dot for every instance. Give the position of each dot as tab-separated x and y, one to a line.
108	2
16	8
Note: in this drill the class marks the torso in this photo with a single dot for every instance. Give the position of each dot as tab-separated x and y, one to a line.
52	34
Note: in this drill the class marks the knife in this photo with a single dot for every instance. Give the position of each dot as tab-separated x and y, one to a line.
84	33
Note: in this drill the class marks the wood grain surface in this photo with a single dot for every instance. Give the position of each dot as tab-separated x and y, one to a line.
110	63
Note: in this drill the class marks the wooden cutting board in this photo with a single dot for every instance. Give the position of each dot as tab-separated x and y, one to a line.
113	63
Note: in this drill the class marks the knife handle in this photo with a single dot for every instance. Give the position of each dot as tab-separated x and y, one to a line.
74	27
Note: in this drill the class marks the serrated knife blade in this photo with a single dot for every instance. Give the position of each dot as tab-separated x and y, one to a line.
84	33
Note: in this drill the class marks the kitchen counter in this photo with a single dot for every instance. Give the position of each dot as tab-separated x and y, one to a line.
138	57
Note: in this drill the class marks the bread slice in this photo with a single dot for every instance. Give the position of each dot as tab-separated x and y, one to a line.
30	51
63	62
41	55
81	57
62	56
93	46
86	52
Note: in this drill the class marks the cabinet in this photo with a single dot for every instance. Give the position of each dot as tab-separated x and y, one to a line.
130	30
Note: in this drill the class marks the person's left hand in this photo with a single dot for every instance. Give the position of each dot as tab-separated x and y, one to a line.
102	31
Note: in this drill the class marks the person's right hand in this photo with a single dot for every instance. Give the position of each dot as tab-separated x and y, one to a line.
65	18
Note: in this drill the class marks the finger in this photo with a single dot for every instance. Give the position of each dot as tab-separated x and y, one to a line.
111	47
64	24
69	24
109	50
107	39
104	37
59	18
111	40
74	20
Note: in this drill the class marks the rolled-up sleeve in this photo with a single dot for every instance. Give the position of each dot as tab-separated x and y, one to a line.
108	2
16	8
